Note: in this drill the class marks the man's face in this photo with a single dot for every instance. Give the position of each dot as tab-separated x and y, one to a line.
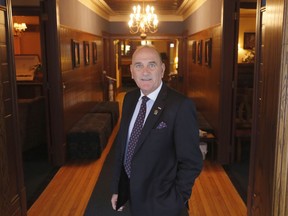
147	69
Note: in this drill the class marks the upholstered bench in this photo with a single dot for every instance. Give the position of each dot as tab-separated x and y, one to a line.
111	107
89	136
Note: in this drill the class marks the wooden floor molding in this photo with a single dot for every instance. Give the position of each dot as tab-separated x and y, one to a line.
69	191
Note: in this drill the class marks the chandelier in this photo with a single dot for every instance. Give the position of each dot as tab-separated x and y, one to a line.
19	28
143	20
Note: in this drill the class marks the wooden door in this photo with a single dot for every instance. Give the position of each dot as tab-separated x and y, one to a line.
107	54
12	191
265	127
280	188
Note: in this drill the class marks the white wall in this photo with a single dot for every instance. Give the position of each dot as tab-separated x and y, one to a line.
208	15
77	16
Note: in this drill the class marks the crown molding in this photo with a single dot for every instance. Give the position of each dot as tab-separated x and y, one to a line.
189	6
99	7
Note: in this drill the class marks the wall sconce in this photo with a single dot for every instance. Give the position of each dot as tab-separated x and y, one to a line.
19	28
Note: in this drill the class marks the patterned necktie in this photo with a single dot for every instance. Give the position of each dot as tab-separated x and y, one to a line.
136	131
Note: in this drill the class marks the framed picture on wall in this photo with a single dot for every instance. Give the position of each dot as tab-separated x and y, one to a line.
75	51
194	51
199	52
249	40
207	53
86	50
94	52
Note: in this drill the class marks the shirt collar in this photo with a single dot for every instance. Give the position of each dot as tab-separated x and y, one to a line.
153	95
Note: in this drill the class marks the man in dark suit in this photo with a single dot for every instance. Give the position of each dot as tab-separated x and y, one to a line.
158	180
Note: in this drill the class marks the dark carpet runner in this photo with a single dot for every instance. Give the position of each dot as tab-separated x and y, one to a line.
100	200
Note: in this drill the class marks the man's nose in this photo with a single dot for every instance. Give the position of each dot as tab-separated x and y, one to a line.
146	69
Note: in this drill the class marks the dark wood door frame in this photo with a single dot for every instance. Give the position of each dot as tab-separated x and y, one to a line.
109	67
228	63
54	85
12	190
36	11
52	80
234	79
235	83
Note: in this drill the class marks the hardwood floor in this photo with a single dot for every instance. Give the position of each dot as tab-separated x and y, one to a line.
69	191
214	194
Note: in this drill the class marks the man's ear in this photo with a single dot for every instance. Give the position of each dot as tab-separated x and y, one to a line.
163	69
131	72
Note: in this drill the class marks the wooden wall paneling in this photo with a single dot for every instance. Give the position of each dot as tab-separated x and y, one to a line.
12	191
203	81
74	78
84	83
257	100
280	189
183	64
266	100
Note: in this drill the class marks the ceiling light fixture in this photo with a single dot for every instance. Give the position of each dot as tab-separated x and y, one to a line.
143	21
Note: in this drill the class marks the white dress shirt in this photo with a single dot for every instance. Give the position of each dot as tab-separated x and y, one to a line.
152	97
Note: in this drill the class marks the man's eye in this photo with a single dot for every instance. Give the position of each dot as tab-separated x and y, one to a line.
152	65
138	66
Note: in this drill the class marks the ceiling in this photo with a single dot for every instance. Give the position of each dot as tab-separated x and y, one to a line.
167	10
162	6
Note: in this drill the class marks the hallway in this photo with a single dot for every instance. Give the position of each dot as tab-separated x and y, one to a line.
69	191
79	45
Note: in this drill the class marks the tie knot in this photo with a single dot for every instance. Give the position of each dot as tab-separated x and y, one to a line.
145	99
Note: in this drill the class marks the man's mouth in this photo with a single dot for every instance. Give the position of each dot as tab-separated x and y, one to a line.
146	79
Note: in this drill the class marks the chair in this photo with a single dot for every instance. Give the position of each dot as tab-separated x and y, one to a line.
243	123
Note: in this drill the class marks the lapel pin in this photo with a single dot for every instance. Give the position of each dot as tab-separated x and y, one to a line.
157	110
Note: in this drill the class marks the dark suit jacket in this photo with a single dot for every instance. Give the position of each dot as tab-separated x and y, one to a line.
167	158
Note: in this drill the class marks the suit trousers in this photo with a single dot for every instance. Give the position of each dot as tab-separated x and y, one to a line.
127	209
